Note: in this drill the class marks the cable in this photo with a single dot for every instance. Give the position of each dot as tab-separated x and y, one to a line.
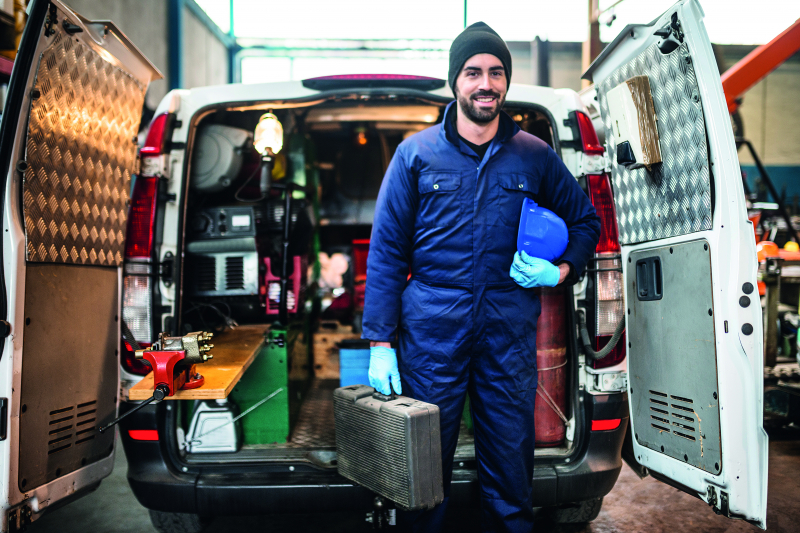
587	343
160	392
236	194
128	336
227	319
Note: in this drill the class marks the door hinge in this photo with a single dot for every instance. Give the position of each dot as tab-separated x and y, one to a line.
719	505
52	20
712	496
18	519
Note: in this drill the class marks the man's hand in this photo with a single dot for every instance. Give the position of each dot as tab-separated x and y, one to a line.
532	272
563	269
373	344
383	368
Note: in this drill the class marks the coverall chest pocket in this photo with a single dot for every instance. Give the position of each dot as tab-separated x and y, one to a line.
510	191
439	199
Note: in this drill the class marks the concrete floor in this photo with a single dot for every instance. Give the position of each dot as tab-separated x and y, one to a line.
633	506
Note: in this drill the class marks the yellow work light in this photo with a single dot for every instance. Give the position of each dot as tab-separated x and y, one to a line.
268	141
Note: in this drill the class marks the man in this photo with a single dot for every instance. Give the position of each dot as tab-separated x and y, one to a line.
449	211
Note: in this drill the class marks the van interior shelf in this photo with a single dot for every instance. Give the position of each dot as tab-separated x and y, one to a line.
234	351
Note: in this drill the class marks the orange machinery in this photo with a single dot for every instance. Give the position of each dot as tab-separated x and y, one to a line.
741	77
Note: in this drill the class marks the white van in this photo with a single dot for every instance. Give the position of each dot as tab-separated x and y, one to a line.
676	261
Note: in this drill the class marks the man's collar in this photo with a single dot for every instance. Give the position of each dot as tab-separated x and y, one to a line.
505	130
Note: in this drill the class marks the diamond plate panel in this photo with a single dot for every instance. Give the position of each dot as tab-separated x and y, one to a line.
80	155
681	203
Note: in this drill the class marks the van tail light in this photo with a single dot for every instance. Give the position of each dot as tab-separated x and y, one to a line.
137	305
137	297
138	275
609	288
584	139
141	217
590	144
155	142
603	201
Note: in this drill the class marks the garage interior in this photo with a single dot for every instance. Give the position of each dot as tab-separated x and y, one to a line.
195	44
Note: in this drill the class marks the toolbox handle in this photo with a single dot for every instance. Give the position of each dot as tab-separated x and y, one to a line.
383	397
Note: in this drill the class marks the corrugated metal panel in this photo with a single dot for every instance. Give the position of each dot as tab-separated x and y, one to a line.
80	154
681	203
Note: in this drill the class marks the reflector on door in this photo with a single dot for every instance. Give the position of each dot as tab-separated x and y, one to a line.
81	152
679	202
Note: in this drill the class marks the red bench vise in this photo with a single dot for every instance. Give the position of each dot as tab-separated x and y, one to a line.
174	362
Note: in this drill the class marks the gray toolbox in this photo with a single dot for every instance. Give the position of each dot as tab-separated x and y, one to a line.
390	445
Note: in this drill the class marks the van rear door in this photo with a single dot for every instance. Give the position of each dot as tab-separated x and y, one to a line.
67	151
693	315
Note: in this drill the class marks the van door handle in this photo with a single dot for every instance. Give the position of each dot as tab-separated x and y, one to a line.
649	284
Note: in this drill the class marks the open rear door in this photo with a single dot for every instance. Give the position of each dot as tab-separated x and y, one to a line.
67	154
689	262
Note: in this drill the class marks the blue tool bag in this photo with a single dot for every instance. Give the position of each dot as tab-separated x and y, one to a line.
542	233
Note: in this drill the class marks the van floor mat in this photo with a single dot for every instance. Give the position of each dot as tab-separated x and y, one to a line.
315	424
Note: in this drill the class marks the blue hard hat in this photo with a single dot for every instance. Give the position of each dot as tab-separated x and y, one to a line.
542	233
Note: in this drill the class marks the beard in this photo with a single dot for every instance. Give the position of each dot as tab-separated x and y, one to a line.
475	114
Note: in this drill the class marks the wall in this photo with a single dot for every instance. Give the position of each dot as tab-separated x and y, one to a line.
565	64
770	113
205	59
144	22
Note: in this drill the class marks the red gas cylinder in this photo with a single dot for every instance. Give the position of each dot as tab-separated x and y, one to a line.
551	360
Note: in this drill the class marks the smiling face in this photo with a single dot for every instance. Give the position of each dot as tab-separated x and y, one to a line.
481	88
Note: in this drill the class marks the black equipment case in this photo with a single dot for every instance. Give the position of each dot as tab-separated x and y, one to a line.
390	445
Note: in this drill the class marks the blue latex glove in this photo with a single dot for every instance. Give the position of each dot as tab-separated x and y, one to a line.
382	368
532	272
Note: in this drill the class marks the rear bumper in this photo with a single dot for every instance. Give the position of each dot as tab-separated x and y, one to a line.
593	473
161	483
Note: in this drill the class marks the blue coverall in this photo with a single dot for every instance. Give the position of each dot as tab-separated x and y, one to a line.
463	324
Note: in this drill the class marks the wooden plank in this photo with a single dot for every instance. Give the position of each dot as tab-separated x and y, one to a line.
326	348
234	351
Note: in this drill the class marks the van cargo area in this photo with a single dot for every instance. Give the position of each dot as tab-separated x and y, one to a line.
335	153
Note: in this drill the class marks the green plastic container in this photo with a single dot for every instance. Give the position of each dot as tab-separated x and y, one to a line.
268	423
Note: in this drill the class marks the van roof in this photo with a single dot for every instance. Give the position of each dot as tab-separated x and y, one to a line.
283	92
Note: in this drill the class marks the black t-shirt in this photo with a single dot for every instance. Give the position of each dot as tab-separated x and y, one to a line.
479	149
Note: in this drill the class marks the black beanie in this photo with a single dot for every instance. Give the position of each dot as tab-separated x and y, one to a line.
478	38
